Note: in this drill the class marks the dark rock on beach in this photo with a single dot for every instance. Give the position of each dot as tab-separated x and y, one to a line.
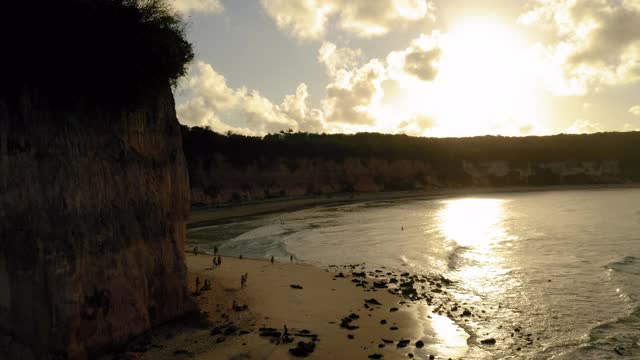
346	323
372	302
403	343
270	332
303	349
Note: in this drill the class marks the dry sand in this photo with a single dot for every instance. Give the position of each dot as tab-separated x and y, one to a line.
318	307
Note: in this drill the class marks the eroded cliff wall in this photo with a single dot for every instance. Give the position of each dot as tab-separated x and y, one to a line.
220	181
93	203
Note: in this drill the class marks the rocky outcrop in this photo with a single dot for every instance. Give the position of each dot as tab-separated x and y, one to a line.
221	181
93	204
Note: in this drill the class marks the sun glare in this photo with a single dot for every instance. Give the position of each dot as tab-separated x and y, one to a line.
486	82
472	222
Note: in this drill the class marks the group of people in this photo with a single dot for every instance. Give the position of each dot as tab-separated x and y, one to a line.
206	286
217	261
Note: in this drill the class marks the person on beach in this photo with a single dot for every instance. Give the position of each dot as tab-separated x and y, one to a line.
219	260
291	258
272	259
286	331
246	278
213	263
240	257
206	286
215	250
195	250
241	281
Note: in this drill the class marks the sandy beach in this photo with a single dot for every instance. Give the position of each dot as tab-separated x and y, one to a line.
313	314
335	312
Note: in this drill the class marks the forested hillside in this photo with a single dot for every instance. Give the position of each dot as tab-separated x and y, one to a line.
232	167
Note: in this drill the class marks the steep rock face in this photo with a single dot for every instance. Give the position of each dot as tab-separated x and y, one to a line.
224	182
220	181
93	204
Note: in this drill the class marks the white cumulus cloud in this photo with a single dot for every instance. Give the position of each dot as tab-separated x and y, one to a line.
581	126
308	19
596	42
213	103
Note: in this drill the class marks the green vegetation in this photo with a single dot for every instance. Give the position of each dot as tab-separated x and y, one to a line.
201	143
445	155
112	49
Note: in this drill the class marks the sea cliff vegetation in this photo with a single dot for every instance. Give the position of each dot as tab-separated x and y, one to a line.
201	144
233	167
111	50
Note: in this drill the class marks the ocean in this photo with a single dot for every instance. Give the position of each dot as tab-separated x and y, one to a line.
555	274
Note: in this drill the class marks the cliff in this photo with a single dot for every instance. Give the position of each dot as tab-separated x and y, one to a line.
220	182
231	167
93	203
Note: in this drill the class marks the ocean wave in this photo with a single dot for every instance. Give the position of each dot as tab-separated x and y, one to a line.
616	339
456	257
620	337
629	264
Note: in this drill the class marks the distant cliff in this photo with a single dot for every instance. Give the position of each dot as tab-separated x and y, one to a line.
93	203
231	168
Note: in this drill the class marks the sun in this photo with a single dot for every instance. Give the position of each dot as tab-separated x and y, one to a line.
487	81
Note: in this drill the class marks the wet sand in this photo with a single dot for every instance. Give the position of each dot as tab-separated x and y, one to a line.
316	310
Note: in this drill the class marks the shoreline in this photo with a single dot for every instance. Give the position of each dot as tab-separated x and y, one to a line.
349	312
416	318
212	215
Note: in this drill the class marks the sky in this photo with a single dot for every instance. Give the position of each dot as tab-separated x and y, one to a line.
443	68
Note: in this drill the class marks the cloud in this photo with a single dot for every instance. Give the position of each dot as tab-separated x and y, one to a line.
635	110
213	103
596	41
202	6
422	56
351	94
295	107
416	125
308	19
335	58
581	126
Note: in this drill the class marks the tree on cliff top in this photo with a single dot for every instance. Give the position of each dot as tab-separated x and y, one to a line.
108	48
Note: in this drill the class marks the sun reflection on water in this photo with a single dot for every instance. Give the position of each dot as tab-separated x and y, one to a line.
476	229
452	337
472	222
